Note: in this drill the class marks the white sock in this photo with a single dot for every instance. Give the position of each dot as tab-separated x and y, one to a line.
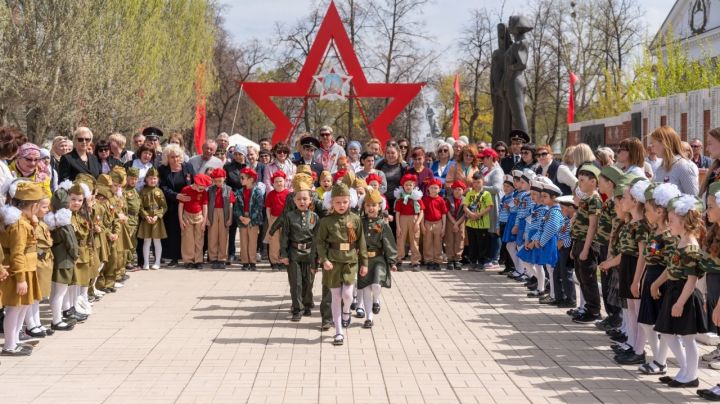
550	270
632	324
347	296
158	251
30	316
376	289
359	297
540	275
146	252
691	358
335	307
12	317
512	251
646	334
673	342
57	296
623	325
367	293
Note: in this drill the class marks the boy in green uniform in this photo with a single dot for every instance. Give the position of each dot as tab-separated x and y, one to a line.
132	200
341	247
297	250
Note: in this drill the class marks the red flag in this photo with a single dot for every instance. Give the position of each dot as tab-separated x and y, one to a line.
571	99
456	112
200	113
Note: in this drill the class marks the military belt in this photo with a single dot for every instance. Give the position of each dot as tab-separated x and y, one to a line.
302	246
374	253
343	246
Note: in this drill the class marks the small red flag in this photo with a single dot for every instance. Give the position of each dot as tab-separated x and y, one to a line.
456	112
200	113
571	99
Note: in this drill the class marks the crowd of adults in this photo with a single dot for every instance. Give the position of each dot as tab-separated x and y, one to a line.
666	158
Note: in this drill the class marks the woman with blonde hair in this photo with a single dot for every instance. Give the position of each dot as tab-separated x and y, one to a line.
605	156
676	168
582	154
117	143
466	164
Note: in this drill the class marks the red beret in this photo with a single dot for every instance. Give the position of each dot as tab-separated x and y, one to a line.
203	180
339	175
218	173
488	152
249	172
278	174
373	177
408	177
459	184
314	176
434	181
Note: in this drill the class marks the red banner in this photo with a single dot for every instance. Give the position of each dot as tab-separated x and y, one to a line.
200	112
571	99
456	111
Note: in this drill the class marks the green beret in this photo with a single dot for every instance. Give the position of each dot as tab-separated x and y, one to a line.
133	172
613	174
340	189
589	169
714	188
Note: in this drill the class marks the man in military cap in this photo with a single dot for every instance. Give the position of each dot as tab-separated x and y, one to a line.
308	148
152	140
518	138
297	250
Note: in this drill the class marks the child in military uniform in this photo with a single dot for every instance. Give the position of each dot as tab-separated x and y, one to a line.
107	230
21	288
381	251
132	201
193	219
124	243
297	249
249	207
33	326
341	247
66	200
152	228
83	222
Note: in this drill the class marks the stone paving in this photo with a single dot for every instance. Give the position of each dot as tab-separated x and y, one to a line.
191	336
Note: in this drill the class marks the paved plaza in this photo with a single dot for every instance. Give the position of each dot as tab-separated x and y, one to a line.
183	336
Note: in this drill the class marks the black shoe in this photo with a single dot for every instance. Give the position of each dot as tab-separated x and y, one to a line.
172	263
691	383
622	338
188	265
708	395
124	278
68	312
307	312
18	351
36	332
665	379
62	326
368	324
69	321
547	300
198	265
49	331
621	349
458	265
326	325
566	304
360	312
450	266
416	268
632	359
346	323
253	267
376	308
587	318
353	305
614	332
297	316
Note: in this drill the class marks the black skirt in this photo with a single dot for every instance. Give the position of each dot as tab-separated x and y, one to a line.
613	297
693	318
626	272
649	307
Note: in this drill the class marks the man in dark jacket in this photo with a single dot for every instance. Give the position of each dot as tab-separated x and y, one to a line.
308	146
518	138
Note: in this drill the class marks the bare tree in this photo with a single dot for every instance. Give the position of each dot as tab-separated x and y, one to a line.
476	45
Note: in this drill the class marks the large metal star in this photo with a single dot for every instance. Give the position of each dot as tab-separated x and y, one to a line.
331	29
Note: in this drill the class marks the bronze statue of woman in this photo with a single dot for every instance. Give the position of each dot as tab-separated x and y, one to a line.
501	111
515	63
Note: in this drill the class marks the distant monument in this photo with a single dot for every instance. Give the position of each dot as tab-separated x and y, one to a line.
432	122
508	83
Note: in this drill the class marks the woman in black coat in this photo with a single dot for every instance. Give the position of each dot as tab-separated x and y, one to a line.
79	160
174	175
105	157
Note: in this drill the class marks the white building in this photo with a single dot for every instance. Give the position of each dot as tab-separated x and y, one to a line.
696	23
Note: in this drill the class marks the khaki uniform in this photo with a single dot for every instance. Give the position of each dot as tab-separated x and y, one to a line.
83	234
132	202
192	238
152	204
334	244
125	240
405	231
45	258
381	250
21	256
432	242
297	244
106	222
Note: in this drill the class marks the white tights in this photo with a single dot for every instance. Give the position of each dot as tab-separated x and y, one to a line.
686	355
146	250
550	270
630	316
512	251
57	295
646	334
340	296
14	316
370	294
32	316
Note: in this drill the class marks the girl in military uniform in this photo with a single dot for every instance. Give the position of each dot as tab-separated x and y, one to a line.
341	247
124	242
82	223
21	288
107	229
382	254
44	270
659	248
67	200
152	208
681	315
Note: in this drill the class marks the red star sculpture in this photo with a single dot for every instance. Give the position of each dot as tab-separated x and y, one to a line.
331	29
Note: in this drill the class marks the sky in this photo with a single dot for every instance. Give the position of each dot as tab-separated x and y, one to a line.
249	19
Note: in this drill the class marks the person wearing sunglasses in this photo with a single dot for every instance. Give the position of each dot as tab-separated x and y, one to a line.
79	160
28	164
559	174
281	162
513	157
105	157
443	163
329	150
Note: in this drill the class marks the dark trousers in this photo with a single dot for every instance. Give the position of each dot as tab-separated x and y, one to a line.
232	232
493	254
563	277
586	272
478	245
300	278
325	311
610	309
504	255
